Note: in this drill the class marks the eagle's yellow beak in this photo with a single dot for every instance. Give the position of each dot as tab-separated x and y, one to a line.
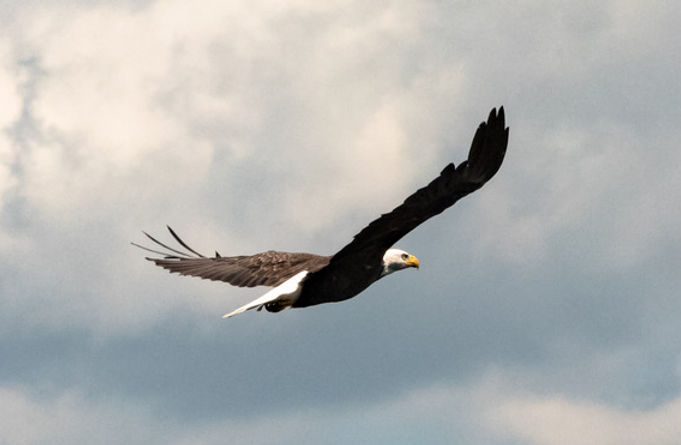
412	261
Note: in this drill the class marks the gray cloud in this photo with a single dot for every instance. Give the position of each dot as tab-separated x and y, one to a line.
257	127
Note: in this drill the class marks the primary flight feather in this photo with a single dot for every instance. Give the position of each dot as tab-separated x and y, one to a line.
305	279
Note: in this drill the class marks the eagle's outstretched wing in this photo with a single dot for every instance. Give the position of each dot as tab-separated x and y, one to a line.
359	262
269	268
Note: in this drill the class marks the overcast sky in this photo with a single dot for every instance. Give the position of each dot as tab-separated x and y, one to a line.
547	309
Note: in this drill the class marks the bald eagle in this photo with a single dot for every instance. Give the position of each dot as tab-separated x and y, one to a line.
304	279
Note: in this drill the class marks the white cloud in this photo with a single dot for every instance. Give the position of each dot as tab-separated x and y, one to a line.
129	101
139	115
264	125
9	86
581	178
559	420
495	409
249	121
10	112
490	410
70	418
103	129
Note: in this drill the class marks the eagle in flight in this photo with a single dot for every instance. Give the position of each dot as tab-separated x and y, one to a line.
305	279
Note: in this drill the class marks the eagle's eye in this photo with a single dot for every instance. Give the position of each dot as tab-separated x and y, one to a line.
405	256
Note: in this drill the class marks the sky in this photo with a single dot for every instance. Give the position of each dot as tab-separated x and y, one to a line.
547	306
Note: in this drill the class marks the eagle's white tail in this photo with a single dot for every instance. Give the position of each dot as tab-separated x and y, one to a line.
286	291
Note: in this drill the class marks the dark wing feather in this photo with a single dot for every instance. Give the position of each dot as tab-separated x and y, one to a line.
269	268
484	160
358	264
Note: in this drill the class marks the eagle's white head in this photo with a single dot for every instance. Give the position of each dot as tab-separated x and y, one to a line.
396	259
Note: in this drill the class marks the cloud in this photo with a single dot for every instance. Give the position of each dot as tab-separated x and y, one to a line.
10	112
256	126
490	410
559	420
141	115
101	122
126	93
69	418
